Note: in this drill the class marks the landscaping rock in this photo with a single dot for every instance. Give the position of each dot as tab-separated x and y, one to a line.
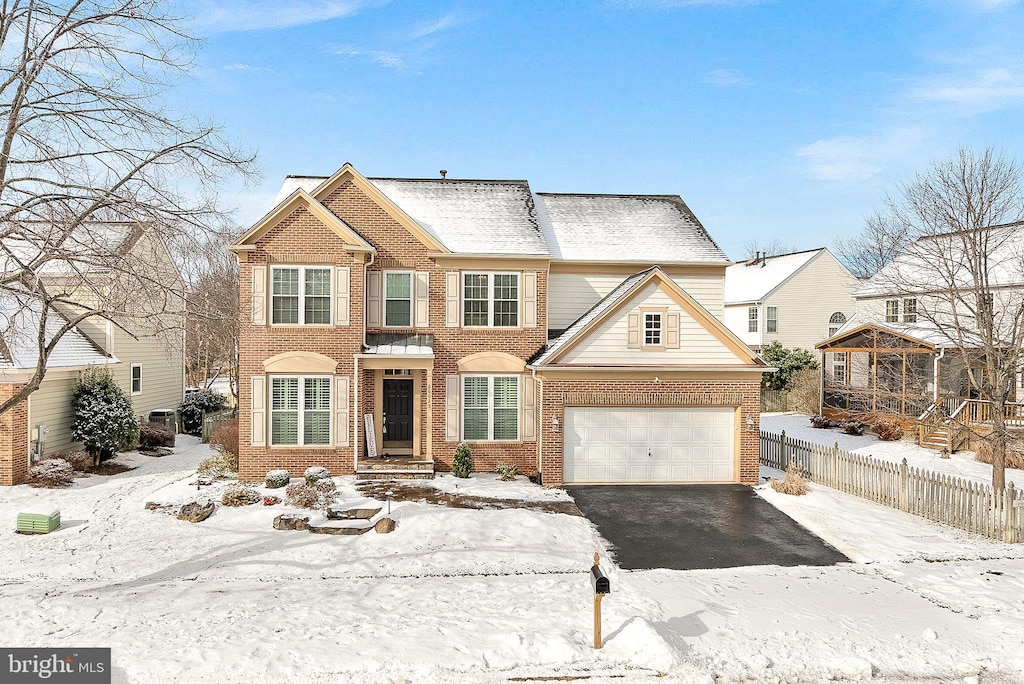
154	506
335	529
195	512
384	526
156	451
291	522
352	513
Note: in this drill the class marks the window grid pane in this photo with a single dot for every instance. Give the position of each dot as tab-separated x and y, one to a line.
892	311
772	320
286	281
506	299
398	286
474	297
752	316
652	329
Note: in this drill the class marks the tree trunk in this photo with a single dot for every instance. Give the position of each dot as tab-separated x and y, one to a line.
999	439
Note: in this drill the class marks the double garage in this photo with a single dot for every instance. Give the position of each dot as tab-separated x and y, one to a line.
639	445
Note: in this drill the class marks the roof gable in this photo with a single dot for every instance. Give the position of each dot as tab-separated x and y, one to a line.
301	199
754	280
627	294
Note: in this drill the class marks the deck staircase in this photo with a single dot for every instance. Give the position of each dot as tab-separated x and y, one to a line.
394	468
938	439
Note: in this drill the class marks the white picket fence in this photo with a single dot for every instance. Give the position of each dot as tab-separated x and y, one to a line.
963	504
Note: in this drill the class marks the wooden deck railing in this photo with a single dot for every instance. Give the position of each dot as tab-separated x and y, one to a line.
963	504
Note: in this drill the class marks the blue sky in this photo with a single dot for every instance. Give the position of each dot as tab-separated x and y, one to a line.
773	120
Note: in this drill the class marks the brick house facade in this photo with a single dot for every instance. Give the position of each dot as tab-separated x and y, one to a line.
401	317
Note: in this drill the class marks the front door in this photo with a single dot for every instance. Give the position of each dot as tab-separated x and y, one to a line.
398	413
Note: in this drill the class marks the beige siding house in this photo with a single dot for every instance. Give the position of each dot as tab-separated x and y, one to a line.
797	299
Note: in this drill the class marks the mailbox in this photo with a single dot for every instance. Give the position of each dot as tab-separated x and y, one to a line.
600	582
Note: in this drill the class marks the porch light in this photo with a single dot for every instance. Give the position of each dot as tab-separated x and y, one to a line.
750	423
554	423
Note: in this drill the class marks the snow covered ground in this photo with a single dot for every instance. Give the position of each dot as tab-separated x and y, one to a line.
462	595
961	464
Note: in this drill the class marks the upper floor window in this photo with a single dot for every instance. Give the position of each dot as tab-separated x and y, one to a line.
301	295
835	322
752	317
490	407
652	329
892	311
136	378
300	410
771	319
910	311
490	299
398	299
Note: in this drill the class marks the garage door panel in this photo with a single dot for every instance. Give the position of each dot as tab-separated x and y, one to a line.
612	444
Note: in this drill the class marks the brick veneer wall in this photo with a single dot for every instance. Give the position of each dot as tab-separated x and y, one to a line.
13	439
554	397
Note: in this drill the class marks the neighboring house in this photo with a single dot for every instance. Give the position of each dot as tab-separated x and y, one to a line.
891	357
575	336
797	299
148	364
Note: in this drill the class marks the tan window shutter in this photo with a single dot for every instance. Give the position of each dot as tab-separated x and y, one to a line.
342	295
633	340
451	302
451	408
258	400
528	408
530	299
373	299
259	295
672	331
341	383
422	319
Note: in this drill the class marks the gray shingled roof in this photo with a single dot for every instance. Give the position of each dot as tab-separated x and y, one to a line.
622	290
580	227
19	321
398	344
471	216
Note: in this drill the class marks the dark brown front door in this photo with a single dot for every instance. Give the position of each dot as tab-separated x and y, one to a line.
398	412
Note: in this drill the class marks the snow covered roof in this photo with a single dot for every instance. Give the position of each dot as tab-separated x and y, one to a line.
504	217
922	332
471	216
583	227
399	344
19	350
86	249
622	290
933	262
753	280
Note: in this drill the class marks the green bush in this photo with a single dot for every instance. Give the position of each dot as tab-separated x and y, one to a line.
104	418
788	361
314	474
278	478
195	405
462	463
506	472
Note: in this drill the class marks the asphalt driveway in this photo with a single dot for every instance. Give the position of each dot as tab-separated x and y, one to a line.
685	527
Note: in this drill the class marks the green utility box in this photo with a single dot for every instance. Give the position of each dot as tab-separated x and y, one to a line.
38	523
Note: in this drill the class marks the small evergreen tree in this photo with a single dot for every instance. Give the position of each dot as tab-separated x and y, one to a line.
104	418
462	463
788	361
195	405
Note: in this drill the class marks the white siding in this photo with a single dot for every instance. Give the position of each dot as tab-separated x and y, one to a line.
807	300
737	320
50	405
570	295
608	344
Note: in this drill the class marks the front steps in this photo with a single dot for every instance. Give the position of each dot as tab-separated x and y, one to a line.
937	440
394	468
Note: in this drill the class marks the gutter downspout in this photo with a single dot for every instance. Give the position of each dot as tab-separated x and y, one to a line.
356	403
540	424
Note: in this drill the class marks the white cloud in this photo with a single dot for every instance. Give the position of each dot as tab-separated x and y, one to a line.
857	158
382	58
676	4
724	78
261	15
239	66
984	91
429	28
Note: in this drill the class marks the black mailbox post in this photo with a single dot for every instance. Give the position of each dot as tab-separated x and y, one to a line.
601	587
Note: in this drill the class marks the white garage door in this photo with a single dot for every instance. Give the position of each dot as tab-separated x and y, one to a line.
611	444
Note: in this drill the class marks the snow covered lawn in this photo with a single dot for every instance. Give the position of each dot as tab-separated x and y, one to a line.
961	464
465	595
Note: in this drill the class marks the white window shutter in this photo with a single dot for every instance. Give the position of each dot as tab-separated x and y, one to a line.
528	408
451	408
672	331
259	295
530	299
342	295
258	401
451	302
373	299
633	339
341	383
422	319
